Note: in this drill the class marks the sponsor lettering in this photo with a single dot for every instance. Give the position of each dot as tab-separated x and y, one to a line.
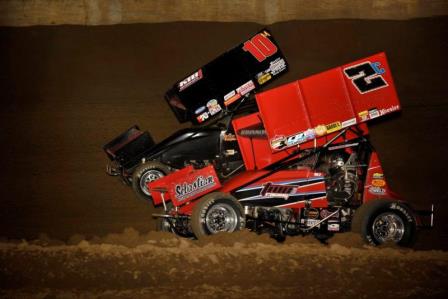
232	99
246	87
378	175
333	127
389	110
282	191
377	190
320	130
295	139
199	185
263	77
278	142
310	134
378	182
396	206
229	95
333	227
190	80
203	117
213	107
348	123
363	115
277	66
199	110
373	113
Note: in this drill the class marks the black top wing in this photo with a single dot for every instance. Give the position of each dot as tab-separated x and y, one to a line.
224	81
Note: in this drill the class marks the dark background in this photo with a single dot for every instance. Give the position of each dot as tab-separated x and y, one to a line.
67	90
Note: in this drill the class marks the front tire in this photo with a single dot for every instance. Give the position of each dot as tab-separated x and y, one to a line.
147	172
385	221
217	212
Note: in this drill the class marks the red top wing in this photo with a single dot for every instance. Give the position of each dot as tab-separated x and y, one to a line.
327	102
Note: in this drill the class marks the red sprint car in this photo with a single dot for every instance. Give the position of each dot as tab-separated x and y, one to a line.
308	166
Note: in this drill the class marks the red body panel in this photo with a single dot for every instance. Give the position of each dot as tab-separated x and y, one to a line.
184	185
256	151
327	102
375	186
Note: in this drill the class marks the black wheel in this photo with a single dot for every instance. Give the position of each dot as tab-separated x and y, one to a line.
385	221
217	212
147	172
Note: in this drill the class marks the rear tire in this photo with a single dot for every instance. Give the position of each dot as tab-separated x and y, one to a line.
217	212
385	221
147	172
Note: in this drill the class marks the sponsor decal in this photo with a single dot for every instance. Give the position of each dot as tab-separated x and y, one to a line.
333	227
373	113
312	213
333	127
311	222
378	182
310	134
190	80
278	142
282	191
389	110
378	175
229	95
363	115
263	77
277	66
231	99
229	137
377	190
246	87
213	107
320	130
203	117
200	110
397	206
199	185
325	213
295	139
348	123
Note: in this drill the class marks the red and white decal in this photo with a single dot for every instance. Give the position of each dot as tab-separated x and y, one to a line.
260	46
190	80
245	88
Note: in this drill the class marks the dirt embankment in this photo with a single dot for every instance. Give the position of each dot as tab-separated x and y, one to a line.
240	265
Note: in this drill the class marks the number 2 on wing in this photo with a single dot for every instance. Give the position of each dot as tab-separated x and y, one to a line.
366	76
260	47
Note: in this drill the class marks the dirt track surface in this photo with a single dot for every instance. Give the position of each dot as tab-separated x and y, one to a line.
242	265
67	90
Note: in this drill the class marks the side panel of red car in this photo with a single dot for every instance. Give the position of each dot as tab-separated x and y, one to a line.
375	186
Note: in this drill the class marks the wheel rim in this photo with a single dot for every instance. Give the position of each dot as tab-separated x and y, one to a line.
149	176
221	218
388	227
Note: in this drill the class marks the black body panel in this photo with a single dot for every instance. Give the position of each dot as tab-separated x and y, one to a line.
225	80
184	145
